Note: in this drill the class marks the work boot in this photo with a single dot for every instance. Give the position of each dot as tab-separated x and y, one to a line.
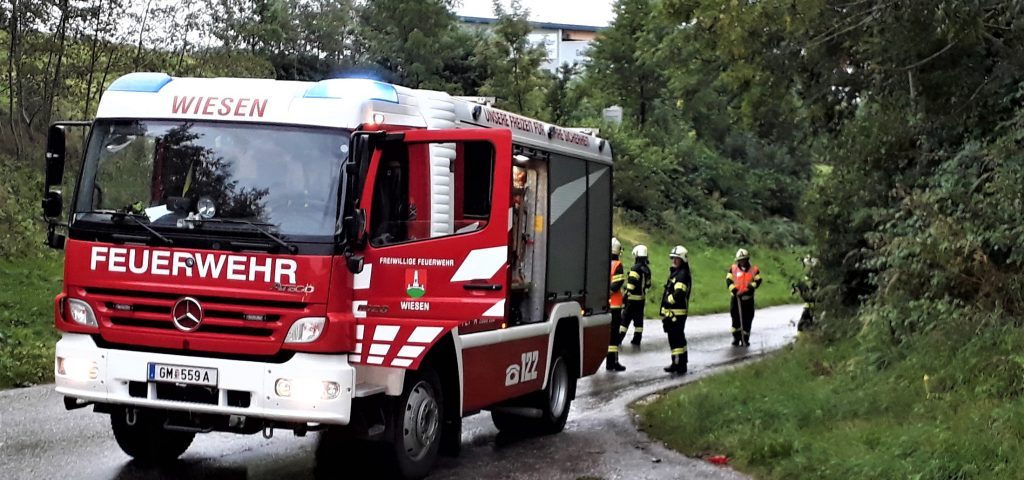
678	366
612	363
735	342
637	337
737	338
746	340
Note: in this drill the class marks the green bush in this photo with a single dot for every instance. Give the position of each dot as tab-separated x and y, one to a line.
21	230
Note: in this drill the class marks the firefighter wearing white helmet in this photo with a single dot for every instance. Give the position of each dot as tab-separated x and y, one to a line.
675	302
615	305
637	284
742	280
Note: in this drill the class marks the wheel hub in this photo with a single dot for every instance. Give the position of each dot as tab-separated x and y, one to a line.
421	421
559	391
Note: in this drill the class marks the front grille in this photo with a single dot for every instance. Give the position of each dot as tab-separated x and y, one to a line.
173	297
250	319
204	328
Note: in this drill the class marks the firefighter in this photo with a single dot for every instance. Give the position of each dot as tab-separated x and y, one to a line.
742	280
637	284
615	304
674	303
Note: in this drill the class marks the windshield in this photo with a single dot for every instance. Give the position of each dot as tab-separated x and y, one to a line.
172	171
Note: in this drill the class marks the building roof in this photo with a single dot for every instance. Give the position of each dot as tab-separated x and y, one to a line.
544	25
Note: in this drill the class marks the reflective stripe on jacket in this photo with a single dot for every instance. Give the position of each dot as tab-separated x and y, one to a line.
675	300
638	282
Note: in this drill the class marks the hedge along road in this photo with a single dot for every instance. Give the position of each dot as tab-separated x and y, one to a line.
39	439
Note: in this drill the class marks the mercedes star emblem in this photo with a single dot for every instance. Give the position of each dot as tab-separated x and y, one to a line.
187	314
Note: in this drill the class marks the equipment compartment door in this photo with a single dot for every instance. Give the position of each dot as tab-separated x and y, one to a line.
437	229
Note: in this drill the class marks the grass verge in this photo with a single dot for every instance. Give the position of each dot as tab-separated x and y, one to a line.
27	335
708	266
816	411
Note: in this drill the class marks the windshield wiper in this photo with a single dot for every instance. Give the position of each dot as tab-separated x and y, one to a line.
255	226
120	216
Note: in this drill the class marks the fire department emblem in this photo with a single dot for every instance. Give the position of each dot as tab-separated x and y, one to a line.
187	314
415	282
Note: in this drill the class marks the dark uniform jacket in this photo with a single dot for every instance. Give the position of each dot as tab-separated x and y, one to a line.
638	282
676	299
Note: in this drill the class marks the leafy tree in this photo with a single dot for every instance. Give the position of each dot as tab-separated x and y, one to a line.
561	99
409	41
513	62
618	66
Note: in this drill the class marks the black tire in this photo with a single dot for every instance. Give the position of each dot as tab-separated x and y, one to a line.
416	421
510	423
556	399
338	451
553	402
147	440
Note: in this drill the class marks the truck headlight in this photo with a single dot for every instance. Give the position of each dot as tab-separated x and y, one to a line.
305	330
77	369
81	313
306	389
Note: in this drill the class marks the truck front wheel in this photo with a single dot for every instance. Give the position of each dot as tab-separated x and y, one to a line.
143	437
417	421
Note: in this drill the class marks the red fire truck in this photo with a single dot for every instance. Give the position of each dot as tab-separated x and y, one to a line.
245	255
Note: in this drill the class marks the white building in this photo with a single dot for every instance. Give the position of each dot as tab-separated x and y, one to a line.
564	43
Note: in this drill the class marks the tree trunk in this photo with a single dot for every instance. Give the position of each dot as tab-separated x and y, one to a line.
12	53
142	32
93	57
110	60
62	31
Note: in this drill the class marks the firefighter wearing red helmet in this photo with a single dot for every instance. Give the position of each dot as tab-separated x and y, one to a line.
675	302
615	305
742	280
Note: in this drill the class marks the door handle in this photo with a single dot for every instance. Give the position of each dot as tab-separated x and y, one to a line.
492	287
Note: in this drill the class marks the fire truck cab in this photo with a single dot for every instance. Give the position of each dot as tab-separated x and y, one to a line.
377	262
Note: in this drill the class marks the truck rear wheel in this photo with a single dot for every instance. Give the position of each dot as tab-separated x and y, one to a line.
146	439
553	403
416	428
557	398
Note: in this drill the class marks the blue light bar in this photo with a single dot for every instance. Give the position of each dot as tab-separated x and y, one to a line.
353	89
148	82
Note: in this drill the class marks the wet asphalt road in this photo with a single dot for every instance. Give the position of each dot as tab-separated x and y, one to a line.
40	440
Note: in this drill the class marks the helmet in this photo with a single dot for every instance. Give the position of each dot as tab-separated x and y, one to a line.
640	251
742	254
680	252
616	246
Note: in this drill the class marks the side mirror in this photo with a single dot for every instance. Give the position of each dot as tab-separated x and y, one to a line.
53	203
56	150
55	239
355	264
355	226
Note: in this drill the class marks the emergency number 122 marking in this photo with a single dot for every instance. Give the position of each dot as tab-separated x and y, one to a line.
516	374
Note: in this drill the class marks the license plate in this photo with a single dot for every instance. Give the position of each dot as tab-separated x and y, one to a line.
159	372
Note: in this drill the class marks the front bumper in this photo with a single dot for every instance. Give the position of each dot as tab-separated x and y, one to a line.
116	368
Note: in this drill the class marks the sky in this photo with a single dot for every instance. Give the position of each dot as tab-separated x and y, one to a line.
576	12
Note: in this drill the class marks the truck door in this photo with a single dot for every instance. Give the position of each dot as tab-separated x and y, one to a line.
436	235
